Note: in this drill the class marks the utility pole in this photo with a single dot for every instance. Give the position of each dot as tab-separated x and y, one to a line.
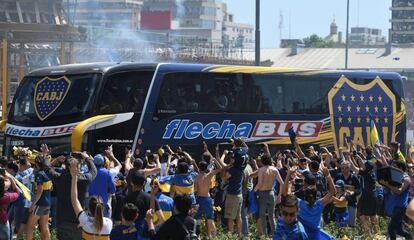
347	38
257	36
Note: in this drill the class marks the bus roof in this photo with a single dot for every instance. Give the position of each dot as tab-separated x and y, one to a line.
109	66
100	67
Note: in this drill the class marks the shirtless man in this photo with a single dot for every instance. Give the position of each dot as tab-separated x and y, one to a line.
266	177
202	189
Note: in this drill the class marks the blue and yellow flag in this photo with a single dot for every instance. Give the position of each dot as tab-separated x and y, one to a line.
374	134
400	156
24	190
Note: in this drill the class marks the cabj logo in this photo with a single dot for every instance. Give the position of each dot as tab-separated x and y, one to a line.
49	94
352	107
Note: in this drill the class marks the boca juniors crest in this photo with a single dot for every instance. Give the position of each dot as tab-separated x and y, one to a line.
353	107
49	94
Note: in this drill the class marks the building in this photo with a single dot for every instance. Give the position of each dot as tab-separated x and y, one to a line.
290	43
334	36
108	14
236	34
365	37
402	22
203	14
203	21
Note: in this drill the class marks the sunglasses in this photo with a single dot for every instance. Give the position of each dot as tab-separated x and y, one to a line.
303	160
288	214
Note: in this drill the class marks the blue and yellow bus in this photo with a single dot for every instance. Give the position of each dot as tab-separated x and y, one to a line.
89	106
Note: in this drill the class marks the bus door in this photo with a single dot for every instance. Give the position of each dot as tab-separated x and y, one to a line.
124	94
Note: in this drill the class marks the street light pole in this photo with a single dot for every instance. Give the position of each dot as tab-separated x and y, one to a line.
257	35
347	38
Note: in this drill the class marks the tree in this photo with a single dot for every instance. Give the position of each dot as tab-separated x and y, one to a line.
314	41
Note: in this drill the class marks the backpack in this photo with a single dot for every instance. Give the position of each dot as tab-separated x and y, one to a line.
189	235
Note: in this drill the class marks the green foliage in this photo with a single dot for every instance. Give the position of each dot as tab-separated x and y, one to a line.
223	234
351	233
314	41
36	235
358	232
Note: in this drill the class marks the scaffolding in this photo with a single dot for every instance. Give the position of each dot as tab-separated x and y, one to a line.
33	33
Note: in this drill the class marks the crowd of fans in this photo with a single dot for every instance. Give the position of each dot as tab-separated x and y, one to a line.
289	194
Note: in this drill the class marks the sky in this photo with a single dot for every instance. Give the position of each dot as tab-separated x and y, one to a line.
305	17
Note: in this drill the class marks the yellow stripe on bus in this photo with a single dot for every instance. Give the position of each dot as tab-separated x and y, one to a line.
80	129
248	69
2	124
327	136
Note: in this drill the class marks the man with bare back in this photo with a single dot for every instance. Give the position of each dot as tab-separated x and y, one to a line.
202	189
267	175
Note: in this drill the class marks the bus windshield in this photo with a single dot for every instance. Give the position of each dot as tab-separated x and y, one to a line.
75	104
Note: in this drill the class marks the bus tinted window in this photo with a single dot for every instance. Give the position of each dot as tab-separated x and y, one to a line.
125	92
77	103
276	94
247	93
200	92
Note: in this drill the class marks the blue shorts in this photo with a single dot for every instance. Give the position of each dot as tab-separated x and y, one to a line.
341	218
205	208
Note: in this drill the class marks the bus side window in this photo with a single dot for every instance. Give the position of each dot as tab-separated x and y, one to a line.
280	94
183	93
180	93
125	92
223	92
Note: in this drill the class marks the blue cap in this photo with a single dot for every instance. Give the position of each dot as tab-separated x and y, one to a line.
98	160
340	184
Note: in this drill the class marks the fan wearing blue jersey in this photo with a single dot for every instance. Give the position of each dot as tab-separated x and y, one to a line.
166	203
128	230
288	226
311	209
340	201
40	208
183	182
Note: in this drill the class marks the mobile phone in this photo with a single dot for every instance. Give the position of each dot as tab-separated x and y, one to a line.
77	155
